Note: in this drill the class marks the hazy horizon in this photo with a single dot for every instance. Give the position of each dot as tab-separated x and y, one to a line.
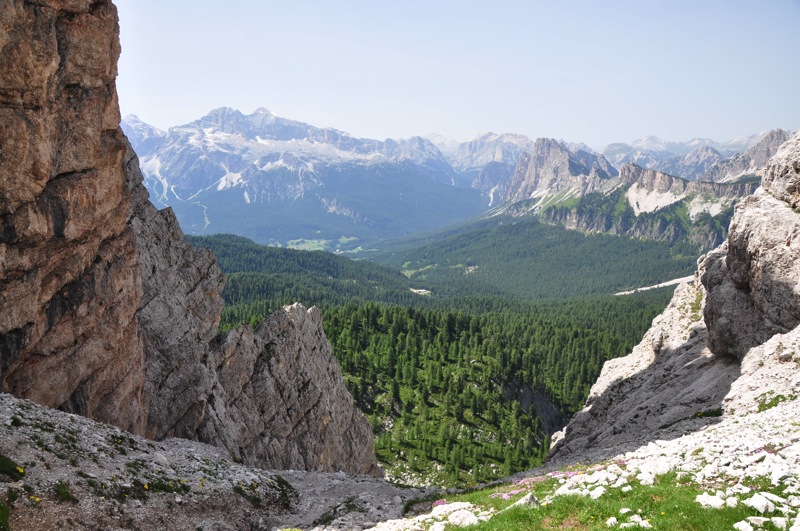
578	71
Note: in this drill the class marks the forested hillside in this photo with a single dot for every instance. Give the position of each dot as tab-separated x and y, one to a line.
524	259
460	386
460	398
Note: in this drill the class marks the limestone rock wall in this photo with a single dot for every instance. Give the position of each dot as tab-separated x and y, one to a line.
280	398
69	281
753	281
105	310
551	168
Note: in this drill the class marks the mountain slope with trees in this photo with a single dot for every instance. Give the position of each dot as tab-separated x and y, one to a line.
459	386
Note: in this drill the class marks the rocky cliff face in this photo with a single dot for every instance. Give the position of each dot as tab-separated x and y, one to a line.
753	281
551	168
649	190
748	163
726	345
70	284
493	181
656	206
104	310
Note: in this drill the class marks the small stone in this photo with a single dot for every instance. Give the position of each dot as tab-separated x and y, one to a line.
626	488
529	500
707	500
780	523
463	518
625	510
611	522
160	460
397	500
646	478
743	526
596	493
732	502
760	503
773	498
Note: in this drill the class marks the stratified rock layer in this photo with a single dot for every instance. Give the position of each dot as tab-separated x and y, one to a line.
105	311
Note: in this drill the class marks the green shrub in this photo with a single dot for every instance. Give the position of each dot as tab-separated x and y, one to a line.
63	494
11	469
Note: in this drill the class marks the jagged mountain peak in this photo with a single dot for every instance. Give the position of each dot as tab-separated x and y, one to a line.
550	168
473	155
750	163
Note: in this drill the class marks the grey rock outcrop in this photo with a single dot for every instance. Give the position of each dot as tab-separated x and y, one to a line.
105	310
658	181
279	397
551	167
173	484
781	178
670	383
748	163
753	282
273	398
724	345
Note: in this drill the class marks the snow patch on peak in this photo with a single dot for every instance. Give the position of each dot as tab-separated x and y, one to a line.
229	181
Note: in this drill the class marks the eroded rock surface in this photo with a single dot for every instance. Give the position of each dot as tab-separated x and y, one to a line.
551	167
725	347
280	398
123	481
105	310
69	280
753	281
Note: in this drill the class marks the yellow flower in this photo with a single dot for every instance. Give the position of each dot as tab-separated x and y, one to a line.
20	470
146	487
37	500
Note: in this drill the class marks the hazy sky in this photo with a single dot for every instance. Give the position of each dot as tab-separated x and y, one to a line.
583	71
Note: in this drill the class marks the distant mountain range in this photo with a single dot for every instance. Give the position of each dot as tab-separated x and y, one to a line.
284	182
